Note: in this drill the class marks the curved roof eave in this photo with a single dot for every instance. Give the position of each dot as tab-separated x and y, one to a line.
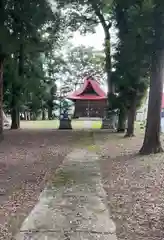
96	87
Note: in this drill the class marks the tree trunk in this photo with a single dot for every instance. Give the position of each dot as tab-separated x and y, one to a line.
121	121
131	119
1	97
16	90
106	27
28	116
15	117
152	142
108	60
15	114
25	115
49	113
43	115
34	116
31	116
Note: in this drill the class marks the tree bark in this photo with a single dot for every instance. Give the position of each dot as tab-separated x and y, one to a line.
16	90
34	116
43	115
121	121
106	27
25	115
108	60
15	118
131	119
15	114
49	113
28	116
1	96
152	142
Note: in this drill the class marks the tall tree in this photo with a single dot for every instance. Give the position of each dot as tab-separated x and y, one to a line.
86	15
152	142
29	29
102	12
132	64
5	34
34	27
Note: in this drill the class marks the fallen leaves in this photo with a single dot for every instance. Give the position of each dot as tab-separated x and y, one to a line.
135	189
27	160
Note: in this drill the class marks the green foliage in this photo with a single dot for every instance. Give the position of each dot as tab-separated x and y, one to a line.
26	22
30	32
82	62
132	60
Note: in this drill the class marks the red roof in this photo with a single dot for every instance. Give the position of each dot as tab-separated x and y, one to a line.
81	95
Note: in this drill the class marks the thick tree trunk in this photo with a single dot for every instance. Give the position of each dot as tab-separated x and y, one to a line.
1	97
16	88
34	116
131	119
152	142
121	121
15	117
15	114
49	113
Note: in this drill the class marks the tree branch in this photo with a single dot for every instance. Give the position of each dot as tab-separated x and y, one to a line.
98	13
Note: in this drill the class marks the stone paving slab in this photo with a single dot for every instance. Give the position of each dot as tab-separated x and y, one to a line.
73	206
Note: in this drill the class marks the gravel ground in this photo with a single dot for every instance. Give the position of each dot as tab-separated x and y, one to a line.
135	188
27	161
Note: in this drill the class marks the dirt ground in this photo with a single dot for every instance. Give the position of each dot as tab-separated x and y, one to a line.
27	161
134	184
135	188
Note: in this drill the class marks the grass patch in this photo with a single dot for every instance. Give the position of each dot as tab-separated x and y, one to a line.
47	124
96	124
63	178
93	148
54	124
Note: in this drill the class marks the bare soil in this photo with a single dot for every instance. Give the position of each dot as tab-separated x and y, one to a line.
134	186
27	161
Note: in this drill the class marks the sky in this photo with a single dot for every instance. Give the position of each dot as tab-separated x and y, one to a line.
95	40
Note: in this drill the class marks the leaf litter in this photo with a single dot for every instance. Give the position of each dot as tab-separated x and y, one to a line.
28	159
135	188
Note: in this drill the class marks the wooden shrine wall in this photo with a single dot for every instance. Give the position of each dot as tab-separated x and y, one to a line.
84	108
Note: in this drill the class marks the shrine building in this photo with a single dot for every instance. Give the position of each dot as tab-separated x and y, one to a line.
90	100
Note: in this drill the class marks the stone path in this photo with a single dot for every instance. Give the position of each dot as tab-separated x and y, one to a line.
74	206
